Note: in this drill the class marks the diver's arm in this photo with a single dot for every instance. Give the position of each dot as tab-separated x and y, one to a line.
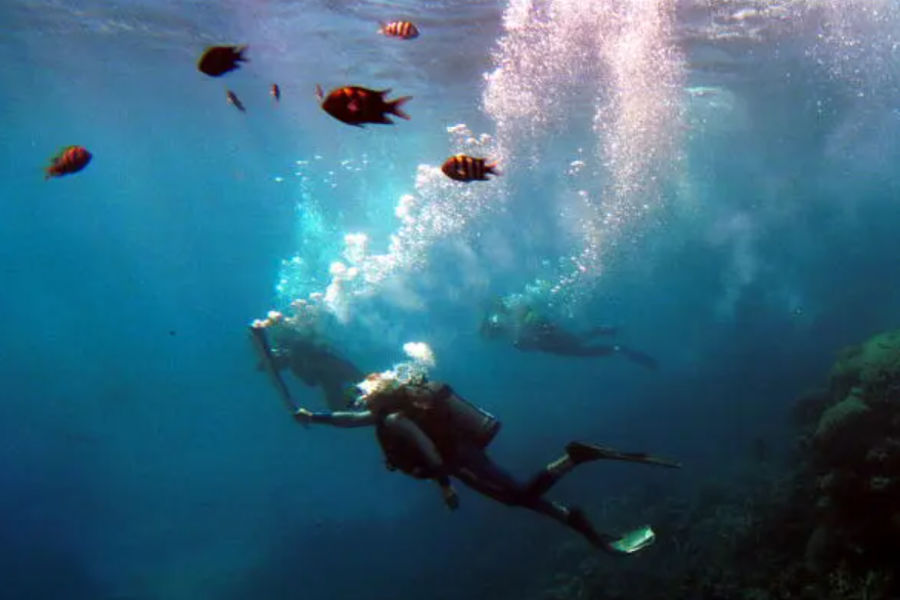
428	453
344	418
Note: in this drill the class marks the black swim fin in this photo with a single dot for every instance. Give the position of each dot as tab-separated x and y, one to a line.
581	452
640	358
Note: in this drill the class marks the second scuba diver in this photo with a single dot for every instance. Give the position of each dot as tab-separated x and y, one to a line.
429	432
528	330
310	360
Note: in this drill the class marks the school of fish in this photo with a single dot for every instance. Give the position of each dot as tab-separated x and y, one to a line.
351	104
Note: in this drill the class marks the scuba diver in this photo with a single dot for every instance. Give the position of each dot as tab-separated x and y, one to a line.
429	432
531	331
311	361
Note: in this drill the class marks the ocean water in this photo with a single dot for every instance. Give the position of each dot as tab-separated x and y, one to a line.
717	178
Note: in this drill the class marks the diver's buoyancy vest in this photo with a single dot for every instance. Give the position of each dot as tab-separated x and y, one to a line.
446	418
441	412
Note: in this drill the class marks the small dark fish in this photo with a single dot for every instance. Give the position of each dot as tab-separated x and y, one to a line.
463	167
70	159
403	30
218	60
235	101
172	332
275	92
357	105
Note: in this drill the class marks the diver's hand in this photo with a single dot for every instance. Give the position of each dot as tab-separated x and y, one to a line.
451	499
303	416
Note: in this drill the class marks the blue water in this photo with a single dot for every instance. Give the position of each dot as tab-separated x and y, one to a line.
144	456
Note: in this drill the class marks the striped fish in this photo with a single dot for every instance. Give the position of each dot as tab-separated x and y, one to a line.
463	167
403	30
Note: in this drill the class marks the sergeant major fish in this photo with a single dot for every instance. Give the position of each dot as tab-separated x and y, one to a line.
463	167
403	30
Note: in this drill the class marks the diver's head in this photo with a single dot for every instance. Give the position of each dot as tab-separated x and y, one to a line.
376	388
493	326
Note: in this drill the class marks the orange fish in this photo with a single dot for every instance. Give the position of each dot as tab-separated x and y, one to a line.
463	167
403	30
275	92
357	105
234	100
70	159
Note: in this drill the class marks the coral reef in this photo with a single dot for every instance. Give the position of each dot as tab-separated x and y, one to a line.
824	526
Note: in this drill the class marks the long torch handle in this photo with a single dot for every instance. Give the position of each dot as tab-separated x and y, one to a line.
261	343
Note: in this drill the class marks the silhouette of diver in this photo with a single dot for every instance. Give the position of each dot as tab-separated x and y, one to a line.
530	331
311	361
429	432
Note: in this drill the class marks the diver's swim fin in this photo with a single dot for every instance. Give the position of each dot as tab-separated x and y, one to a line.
261	343
640	358
631	542
581	452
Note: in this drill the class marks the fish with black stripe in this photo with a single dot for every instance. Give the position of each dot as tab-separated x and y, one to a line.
403	30
463	167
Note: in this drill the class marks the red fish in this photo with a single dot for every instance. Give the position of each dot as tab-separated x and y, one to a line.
403	30
235	101
70	159
463	167
357	105
275	92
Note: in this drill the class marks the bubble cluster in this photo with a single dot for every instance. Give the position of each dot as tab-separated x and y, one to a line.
438	208
613	65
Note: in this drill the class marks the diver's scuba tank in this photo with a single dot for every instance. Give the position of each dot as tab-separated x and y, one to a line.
465	419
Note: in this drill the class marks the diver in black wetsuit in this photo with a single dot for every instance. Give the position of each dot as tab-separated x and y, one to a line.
530	331
310	360
316	365
429	432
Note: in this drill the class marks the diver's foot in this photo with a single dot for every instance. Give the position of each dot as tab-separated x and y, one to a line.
580	452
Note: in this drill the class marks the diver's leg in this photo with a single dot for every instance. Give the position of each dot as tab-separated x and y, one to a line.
639	358
573	518
547	477
595	332
576	519
483	475
476	469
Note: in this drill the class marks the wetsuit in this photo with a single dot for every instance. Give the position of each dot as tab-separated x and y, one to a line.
419	440
315	365
532	332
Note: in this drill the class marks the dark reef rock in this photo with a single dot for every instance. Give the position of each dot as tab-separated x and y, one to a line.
826	527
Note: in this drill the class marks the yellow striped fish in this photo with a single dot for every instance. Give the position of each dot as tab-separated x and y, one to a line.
463	167
403	30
